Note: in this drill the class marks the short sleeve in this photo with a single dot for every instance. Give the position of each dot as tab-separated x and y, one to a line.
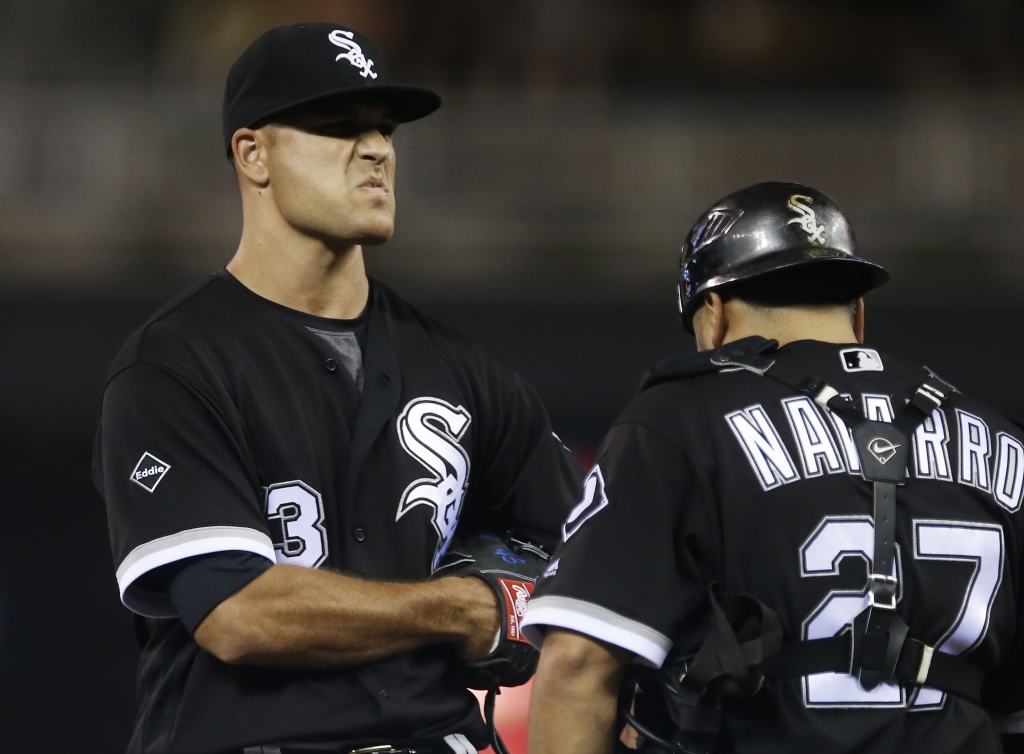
631	567
172	469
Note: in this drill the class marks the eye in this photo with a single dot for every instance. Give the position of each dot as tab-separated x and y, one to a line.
339	129
351	129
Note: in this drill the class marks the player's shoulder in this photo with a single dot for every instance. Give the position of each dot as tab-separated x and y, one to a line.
679	371
686	381
704	382
399	312
176	331
751	354
457	349
884	372
964	407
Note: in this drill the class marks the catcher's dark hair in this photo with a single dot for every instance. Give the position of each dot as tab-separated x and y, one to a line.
806	285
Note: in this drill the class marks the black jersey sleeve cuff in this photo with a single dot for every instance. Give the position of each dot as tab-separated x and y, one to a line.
155	603
200	584
595	621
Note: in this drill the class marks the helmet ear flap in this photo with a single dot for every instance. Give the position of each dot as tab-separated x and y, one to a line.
686	311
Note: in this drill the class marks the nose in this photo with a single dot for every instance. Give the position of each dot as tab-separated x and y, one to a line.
373	146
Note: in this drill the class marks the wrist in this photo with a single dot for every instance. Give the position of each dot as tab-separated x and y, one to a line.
479	621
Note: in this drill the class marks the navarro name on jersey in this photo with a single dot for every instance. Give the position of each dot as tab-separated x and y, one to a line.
992	464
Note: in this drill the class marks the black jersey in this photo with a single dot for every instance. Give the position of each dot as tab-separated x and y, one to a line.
736	478
228	425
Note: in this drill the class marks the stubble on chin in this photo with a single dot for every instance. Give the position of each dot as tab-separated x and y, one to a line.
374	227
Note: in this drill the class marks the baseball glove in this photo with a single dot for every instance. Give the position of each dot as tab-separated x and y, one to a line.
511	567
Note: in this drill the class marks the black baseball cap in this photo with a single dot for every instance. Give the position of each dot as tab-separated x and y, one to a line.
303	63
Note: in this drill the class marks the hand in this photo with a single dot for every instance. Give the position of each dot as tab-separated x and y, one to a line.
509	567
483	617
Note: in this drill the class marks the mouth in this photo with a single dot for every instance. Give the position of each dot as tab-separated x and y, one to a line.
374	183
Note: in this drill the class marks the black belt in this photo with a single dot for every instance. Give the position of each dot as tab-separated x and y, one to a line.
375	746
918	665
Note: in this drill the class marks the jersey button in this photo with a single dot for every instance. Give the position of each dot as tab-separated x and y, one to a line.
332	365
360	535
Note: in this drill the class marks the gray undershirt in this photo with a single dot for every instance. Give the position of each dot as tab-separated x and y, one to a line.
345	346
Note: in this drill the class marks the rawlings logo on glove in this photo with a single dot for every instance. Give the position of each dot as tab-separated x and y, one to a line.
517	595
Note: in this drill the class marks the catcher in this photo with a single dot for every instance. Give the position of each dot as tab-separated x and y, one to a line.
817	544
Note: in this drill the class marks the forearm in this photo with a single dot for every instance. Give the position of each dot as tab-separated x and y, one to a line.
304	618
574	695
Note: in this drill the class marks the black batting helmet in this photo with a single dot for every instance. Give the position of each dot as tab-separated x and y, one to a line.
770	228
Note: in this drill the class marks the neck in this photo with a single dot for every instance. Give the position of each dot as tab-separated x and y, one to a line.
798	324
302	273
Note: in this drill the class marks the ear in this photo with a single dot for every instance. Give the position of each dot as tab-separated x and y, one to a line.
720	321
858	320
249	149
709	322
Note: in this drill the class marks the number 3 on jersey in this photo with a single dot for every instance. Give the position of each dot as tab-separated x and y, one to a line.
295	514
979	546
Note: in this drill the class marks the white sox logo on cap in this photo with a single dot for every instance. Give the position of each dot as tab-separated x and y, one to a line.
807	221
353	52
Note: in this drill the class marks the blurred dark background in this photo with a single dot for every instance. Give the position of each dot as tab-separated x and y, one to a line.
540	210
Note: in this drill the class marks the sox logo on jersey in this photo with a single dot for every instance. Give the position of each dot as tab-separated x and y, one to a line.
429	430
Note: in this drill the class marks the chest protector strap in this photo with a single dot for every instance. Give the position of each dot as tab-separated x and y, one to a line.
743	645
875	649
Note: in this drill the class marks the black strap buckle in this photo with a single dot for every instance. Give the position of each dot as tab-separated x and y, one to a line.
917	664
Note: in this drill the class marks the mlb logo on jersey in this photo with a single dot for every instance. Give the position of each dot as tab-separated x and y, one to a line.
149	471
861	360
